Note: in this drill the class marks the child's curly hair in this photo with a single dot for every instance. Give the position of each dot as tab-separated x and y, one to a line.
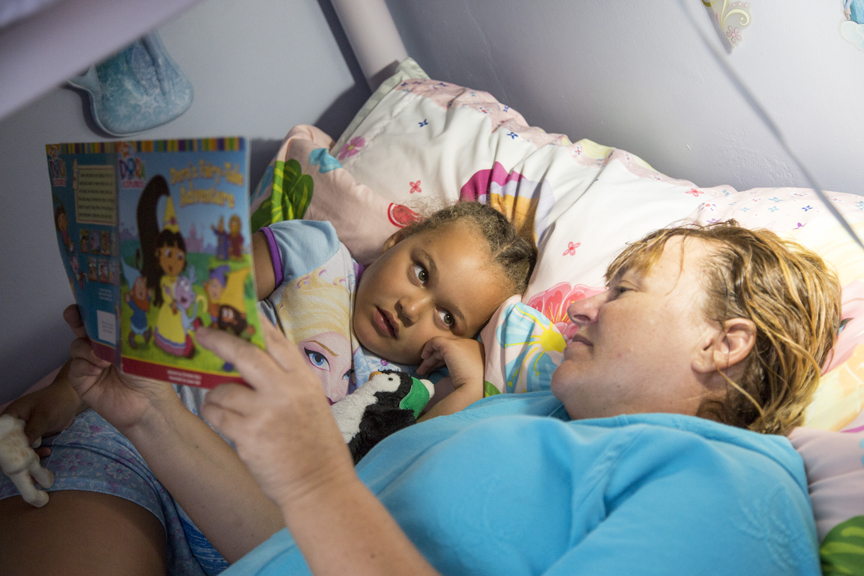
515	255
786	290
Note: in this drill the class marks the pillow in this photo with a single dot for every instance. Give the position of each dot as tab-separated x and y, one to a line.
835	476
583	202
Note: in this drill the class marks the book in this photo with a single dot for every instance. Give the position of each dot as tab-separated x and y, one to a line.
155	240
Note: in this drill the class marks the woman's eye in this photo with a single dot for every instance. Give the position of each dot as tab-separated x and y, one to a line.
317	359
421	274
446	318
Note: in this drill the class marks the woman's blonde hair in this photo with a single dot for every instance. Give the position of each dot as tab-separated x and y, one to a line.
786	290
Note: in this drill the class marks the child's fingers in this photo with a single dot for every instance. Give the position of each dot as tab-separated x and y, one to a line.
432	362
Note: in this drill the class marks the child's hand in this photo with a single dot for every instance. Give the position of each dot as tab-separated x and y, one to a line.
281	424
122	399
49	410
463	357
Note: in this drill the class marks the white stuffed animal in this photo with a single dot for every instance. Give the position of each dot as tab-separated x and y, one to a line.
19	461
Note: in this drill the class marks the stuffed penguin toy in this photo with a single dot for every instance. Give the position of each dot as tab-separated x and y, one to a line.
388	402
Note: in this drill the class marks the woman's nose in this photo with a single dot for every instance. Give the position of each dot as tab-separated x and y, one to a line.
584	311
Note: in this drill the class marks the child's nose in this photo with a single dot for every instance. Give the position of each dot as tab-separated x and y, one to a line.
584	311
412	308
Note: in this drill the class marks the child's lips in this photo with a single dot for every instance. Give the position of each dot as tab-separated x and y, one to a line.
385	323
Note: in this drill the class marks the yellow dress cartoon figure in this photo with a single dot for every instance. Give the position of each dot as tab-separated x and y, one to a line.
163	262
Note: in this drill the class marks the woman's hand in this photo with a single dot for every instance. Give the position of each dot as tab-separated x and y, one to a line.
281	424
122	399
285	433
463	357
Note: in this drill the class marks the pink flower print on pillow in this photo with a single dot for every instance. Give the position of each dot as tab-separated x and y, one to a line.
553	303
352	147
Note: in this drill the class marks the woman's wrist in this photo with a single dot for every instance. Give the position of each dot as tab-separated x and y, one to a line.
162	410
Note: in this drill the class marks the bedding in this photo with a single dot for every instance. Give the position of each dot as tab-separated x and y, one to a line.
419	142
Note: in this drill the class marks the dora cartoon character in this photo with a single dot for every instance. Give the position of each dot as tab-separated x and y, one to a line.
235	238
164	255
315	315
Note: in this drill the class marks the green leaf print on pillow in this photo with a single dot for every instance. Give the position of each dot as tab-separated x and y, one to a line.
842	550
289	198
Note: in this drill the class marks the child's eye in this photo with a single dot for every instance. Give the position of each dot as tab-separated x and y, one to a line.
446	318
317	359
167	252
421	274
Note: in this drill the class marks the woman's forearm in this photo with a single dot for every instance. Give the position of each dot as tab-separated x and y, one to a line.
342	528
207	478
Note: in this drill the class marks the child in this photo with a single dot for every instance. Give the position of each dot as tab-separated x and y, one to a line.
437	280
422	302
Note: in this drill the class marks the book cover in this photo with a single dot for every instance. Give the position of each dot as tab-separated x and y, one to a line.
155	238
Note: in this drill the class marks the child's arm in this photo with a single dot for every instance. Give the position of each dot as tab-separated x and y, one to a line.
465	359
265	277
49	410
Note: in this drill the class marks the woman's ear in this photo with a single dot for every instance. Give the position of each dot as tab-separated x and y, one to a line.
727	347
394	239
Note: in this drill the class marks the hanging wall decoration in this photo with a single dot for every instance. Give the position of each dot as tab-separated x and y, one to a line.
853	28
138	88
732	17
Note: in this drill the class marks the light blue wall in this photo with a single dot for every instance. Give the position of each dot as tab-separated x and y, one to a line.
634	75
258	68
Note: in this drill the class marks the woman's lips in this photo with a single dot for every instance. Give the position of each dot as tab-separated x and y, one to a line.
385	323
577	339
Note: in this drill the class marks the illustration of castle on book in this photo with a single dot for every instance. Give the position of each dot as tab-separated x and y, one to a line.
156	243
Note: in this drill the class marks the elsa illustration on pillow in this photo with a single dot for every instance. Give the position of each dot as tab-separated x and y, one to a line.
315	314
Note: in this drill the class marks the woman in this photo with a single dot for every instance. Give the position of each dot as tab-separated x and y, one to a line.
608	473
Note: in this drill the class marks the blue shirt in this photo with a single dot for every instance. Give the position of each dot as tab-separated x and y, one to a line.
511	486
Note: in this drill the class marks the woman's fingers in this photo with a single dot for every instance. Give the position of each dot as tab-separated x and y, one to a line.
283	351
73	319
233	397
254	364
81	349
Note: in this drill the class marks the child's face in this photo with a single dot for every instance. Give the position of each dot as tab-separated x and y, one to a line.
433	283
171	259
234	225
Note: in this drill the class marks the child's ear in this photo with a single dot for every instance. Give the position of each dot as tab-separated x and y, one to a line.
394	239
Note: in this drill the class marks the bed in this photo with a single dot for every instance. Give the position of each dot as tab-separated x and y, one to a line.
422	138
418	138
